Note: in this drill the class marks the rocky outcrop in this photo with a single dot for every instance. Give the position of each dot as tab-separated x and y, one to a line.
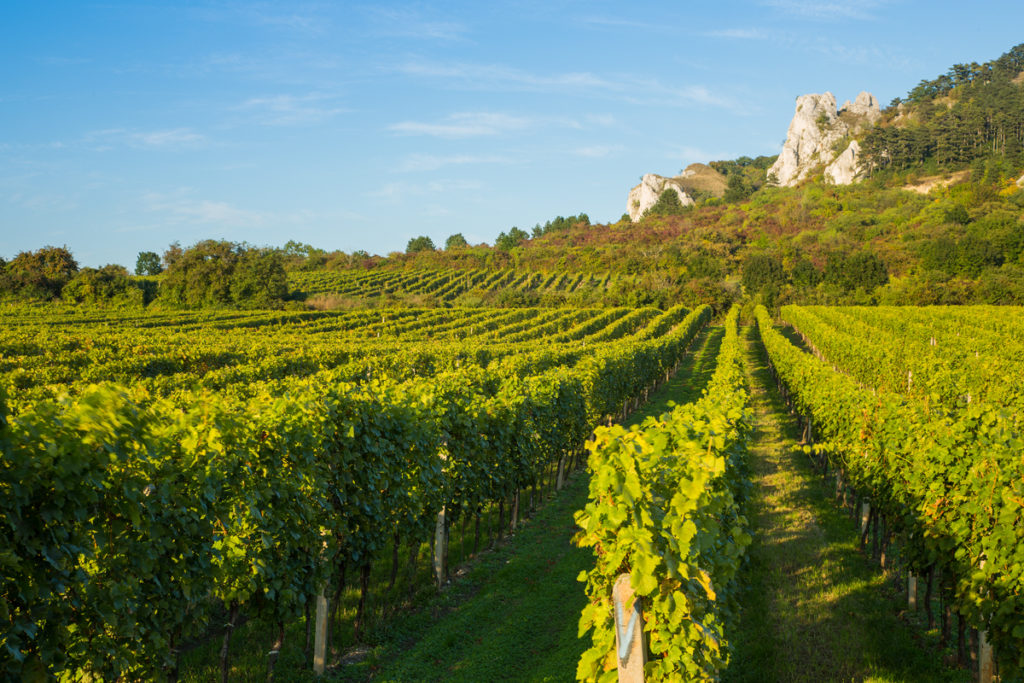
1020	181
865	106
817	128
644	195
845	168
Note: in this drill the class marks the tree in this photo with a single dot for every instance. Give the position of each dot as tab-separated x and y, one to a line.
201	275
513	238
761	271
736	190
43	273
172	255
804	274
109	284
859	271
221	273
259	279
148	263
668	204
421	243
456	241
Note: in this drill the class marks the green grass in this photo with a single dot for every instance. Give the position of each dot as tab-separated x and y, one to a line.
814	608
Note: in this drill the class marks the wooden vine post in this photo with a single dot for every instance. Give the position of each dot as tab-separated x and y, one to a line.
441	548
986	662
630	647
320	628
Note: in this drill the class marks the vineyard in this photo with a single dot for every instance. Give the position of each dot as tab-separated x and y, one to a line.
166	471
913	413
449	287
256	457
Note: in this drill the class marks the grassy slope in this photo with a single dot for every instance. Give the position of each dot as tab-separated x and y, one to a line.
515	615
814	609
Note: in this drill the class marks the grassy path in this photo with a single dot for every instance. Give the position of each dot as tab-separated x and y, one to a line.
514	615
814	608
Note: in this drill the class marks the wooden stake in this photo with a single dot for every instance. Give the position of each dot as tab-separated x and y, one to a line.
320	640
986	664
630	646
865	515
441	548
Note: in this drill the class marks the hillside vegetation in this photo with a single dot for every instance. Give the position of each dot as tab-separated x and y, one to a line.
939	219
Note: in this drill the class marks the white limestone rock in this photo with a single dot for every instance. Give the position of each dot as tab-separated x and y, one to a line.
644	195
845	169
817	127
866	105
1020	181
811	134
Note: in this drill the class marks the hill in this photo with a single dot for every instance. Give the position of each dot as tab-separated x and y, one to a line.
937	218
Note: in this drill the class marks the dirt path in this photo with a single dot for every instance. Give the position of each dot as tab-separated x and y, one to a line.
814	608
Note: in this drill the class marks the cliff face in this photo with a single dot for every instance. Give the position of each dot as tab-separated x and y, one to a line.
644	195
817	128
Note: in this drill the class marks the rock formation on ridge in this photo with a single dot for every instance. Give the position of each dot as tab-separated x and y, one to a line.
814	133
644	195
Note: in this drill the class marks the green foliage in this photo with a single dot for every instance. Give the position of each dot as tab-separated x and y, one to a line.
762	271
259	280
299	256
109	284
456	241
804	274
984	119
249	497
665	508
705	266
935	448
148	263
40	274
421	243
513	238
737	189
561	224
862	270
220	273
668	204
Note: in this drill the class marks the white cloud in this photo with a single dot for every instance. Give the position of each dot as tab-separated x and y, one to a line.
464	125
623	87
180	207
687	155
497	77
408	23
600	119
170	138
740	34
617	23
597	151
305	20
430	162
399	189
292	110
827	11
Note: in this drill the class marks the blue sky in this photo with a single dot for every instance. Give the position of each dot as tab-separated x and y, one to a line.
127	126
